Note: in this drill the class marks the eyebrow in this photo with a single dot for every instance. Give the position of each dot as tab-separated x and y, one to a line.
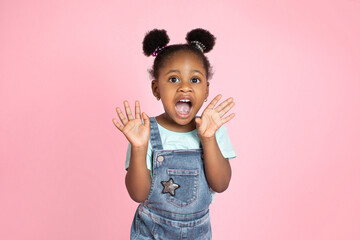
177	71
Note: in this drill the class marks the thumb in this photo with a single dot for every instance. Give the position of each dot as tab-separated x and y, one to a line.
146	120
198	121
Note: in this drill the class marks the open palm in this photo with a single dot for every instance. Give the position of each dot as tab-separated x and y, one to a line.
135	130
212	117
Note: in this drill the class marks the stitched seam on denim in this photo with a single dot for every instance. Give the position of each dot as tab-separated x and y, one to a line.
176	224
190	223
183	172
166	152
147	205
137	230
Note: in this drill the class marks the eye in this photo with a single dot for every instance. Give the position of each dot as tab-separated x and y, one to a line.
195	80
174	80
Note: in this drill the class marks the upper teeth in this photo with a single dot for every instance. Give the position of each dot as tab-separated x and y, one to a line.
184	100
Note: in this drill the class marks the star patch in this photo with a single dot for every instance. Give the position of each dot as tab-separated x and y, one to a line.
169	187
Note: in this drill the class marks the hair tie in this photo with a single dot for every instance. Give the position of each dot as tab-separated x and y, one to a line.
199	45
157	50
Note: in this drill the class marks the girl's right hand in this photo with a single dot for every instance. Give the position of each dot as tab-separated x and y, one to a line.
137	132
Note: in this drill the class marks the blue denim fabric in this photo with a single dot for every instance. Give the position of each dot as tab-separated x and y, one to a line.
184	215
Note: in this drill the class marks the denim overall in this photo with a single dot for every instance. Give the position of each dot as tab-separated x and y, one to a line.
178	203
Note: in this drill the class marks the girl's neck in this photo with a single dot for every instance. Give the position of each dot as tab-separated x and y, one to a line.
166	122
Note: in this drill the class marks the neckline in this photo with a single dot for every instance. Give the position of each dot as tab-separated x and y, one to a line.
159	126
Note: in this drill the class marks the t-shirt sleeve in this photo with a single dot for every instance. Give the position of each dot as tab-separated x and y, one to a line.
224	143
148	156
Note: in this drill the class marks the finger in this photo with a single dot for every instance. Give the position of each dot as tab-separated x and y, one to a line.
214	102
137	110
118	125
128	110
226	109
224	104
123	119
198	121
228	118
146	120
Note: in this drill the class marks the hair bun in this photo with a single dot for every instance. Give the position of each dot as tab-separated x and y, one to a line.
203	36
154	39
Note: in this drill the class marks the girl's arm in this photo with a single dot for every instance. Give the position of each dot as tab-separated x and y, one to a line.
217	168
137	180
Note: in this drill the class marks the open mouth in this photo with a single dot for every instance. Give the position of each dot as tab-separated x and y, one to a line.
183	107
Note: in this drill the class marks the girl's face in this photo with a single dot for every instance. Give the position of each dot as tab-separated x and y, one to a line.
182	87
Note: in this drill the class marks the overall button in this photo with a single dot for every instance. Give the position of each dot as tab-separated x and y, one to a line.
160	158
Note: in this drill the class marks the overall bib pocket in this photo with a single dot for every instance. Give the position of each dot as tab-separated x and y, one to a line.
188	180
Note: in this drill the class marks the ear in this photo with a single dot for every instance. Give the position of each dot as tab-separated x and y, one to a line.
155	89
207	90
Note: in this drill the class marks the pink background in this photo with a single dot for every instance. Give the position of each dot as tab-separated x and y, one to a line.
291	66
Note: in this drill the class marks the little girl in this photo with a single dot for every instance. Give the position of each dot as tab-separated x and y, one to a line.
176	161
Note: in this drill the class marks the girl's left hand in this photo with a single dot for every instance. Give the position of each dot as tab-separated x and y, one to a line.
211	119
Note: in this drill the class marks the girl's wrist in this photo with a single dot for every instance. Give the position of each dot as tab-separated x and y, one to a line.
207	139
140	147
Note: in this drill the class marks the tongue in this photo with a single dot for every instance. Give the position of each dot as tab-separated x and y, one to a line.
182	107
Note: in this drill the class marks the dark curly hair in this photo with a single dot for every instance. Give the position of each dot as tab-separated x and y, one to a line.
199	41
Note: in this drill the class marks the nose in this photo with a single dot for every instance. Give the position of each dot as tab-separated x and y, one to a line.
185	87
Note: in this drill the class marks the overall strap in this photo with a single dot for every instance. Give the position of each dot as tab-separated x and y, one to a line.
200	141
155	139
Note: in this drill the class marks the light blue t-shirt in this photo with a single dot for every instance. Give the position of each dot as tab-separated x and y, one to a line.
186	140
